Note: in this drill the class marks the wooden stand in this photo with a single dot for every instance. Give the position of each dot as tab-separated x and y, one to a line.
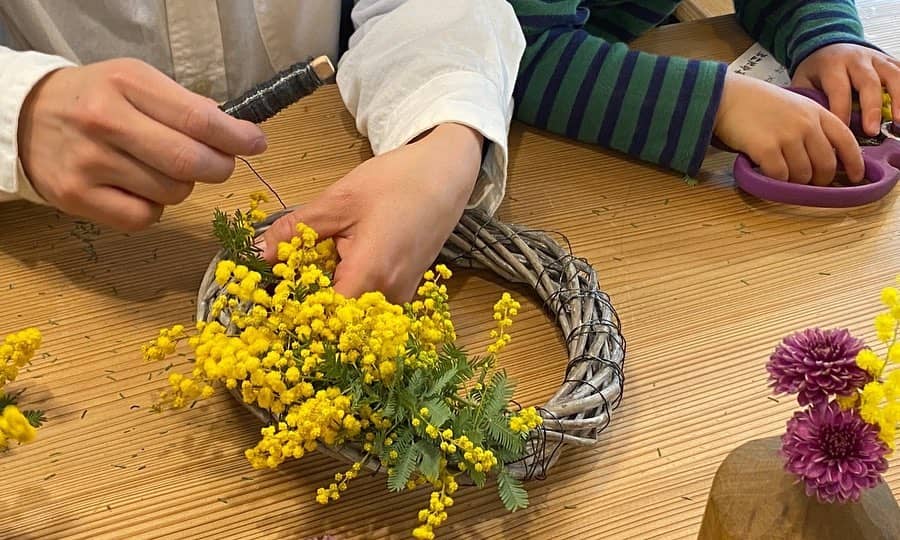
753	498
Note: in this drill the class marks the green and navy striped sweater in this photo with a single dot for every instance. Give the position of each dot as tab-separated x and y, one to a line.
579	78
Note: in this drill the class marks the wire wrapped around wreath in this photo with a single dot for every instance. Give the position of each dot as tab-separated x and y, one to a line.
567	285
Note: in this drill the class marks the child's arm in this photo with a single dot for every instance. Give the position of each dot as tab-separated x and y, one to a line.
575	83
626	20
665	110
823	45
793	29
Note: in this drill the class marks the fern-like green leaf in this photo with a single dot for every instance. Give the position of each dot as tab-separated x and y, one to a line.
403	439
231	236
416	383
406	464
507	456
499	431
431	457
477	438
497	395
454	354
458	371
355	391
438	411
478	478
462	421
36	418
389	410
237	241
478	362
512	493
8	399
453	351
406	402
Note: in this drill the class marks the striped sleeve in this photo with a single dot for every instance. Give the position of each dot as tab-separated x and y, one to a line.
659	109
794	29
625	20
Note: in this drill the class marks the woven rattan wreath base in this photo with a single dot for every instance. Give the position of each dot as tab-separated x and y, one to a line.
592	384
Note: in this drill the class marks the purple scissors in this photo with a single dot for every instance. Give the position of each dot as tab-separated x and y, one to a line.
882	171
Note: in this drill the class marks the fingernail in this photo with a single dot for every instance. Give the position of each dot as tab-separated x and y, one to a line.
260	145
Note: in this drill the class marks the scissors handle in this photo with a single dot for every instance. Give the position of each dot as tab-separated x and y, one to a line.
881	173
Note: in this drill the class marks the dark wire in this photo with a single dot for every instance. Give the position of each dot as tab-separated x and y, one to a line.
261	179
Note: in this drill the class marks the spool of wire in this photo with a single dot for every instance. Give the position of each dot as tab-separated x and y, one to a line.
267	99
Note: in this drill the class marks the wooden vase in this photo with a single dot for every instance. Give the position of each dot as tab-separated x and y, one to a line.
752	497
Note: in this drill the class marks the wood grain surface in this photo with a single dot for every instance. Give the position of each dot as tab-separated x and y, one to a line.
707	281
696	10
753	497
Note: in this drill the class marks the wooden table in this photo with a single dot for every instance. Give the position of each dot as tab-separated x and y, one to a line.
696	10
707	281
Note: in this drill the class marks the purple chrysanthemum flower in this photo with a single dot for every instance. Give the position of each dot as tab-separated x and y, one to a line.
817	364
834	452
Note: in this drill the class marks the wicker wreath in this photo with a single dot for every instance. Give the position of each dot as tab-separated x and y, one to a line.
592	384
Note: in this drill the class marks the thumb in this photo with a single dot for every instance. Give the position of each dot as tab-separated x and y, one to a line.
318	215
363	270
350	276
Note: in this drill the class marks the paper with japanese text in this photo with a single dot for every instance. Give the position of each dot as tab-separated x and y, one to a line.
759	63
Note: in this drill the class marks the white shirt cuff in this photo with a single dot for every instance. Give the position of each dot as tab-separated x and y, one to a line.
20	72
459	97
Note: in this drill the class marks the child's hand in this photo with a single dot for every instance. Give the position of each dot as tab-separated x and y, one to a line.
837	69
390	216
788	135
115	141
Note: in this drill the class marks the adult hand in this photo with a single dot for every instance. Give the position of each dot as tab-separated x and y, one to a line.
116	141
390	216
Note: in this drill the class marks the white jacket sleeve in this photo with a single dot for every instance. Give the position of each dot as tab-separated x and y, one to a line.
19	71
415	64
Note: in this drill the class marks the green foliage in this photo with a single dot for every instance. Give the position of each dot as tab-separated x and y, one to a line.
404	467
502	436
406	401
465	431
237	241
462	419
36	417
457	397
8	399
496	395
457	371
478	477
416	383
439	411
511	491
509	455
390	408
430	465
